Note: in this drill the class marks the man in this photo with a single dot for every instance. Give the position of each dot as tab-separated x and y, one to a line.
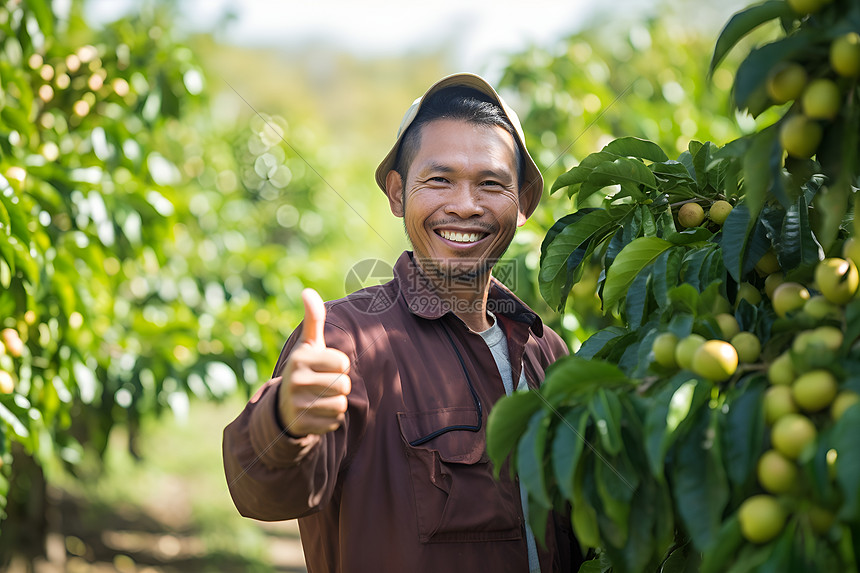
372	430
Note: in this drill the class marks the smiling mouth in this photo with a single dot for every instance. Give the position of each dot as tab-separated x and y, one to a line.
465	238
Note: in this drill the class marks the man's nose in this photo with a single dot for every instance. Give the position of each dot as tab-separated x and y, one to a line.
465	202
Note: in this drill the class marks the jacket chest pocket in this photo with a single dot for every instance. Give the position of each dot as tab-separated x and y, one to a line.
456	496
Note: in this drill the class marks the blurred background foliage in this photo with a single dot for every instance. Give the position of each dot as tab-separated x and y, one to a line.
164	198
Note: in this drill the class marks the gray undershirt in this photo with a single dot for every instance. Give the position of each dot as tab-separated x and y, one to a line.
495	339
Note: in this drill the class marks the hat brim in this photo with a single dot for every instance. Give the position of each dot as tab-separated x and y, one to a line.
532	188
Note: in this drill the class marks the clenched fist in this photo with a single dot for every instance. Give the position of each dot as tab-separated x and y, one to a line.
312	396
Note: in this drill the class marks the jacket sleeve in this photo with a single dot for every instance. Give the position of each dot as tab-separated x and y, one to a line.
274	476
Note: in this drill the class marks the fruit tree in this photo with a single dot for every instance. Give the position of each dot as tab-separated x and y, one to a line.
714	426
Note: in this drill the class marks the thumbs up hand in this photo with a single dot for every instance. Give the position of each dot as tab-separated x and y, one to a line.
315	382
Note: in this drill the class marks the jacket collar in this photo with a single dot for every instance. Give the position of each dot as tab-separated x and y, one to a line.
422	298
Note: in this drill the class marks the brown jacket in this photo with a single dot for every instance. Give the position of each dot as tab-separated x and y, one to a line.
380	493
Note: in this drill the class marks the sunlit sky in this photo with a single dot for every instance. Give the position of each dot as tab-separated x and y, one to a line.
478	31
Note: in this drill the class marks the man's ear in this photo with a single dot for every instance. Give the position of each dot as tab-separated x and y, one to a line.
394	190
521	217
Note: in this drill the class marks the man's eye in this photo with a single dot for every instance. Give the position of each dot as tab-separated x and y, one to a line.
438	180
492	183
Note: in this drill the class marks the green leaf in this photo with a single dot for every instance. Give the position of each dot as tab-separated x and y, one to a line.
726	544
848	462
506	422
701	489
742	23
635	147
12	420
758	178
743	431
636	299
684	297
733	240
591	566
5	221
16	119
44	16
597	341
689	236
568	240
797	244
567	446
584	520
530	455
666	272
606	412
576	377
580	173
622	170
629	263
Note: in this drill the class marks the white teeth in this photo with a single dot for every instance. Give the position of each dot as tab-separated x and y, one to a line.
460	237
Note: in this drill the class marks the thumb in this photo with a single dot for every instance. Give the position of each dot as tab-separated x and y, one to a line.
312	332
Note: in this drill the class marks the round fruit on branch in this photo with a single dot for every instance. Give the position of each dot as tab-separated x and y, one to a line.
761	518
691	215
800	136
821	99
789	297
715	360
664	347
845	55
719	211
792	434
837	279
786	82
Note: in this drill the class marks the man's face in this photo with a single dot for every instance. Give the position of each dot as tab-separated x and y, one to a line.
460	200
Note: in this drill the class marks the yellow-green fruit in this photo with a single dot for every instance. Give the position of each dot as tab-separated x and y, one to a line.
786	82
715	360
16	176
664	349
719	211
842	402
778	402
802	342
821	519
767	264
691	215
821	99
851	250
749	293
685	350
814	390
800	136
845	55
781	370
728	325
828	337
819	307
837	279
761	518
776	473
7	383
748	347
831	463
772	281
804	7
791	434
789	297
